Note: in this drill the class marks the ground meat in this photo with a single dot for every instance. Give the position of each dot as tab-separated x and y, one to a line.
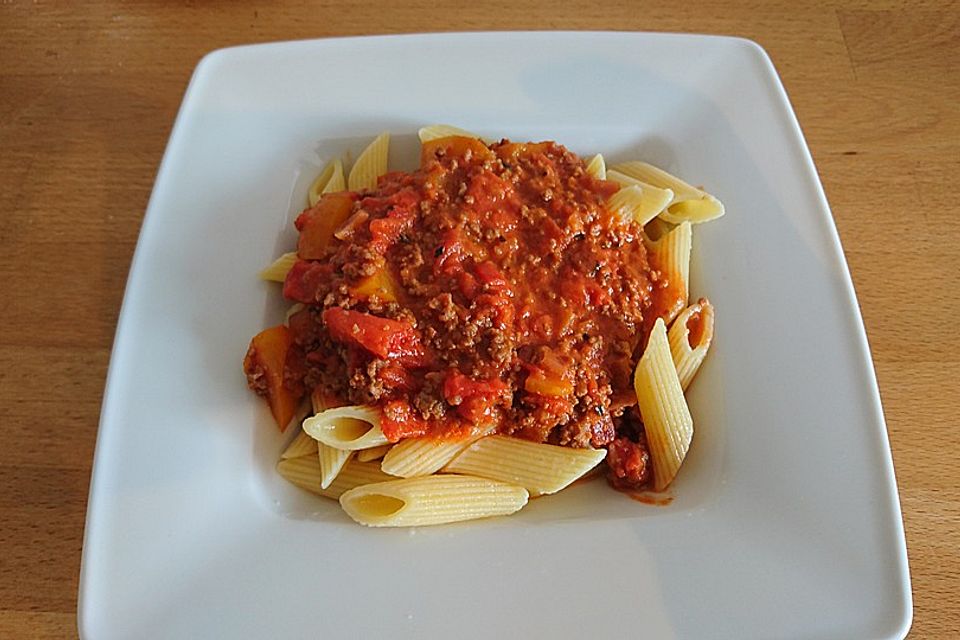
628	463
495	276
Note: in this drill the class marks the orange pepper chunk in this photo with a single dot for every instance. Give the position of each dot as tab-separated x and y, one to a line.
380	284
454	146
317	224
264	365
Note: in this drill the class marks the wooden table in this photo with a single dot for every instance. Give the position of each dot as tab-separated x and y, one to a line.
88	94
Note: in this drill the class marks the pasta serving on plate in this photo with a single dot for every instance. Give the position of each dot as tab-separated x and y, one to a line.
488	328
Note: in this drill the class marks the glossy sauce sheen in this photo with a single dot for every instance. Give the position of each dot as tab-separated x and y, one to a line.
488	291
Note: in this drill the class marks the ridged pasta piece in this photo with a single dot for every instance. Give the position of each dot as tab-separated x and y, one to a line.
351	428
437	131
640	203
302	445
277	271
597	167
337	181
331	462
686	357
421	456
657	228
430	500
370	164
540	468
666	417
671	254
374	453
304	472
320	183
688	204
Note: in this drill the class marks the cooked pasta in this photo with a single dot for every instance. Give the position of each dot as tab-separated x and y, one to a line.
371	164
690	336
666	418
689	204
482	307
304	472
540	468
431	500
421	456
349	428
597	167
278	269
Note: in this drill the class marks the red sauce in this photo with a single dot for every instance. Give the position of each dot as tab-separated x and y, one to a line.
646	497
490	290
695	329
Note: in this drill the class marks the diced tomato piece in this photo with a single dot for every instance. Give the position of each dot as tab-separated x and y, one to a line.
317	224
454	146
490	275
384	338
307	282
467	284
264	366
475	399
398	420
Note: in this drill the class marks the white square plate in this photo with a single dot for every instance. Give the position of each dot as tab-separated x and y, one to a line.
785	522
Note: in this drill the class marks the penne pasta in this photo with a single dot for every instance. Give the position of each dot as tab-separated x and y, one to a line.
319	184
337	181
690	337
671	255
277	271
597	167
657	228
431	500
689	204
302	445
331	462
666	417
351	428
437	131
540	468
639	202
304	472
373	453
370	165
421	456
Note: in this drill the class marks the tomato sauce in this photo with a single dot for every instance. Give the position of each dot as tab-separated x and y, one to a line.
488	291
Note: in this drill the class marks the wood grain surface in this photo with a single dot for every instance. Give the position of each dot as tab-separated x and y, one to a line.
89	92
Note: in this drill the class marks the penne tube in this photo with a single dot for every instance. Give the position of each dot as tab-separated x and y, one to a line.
304	472
638	202
302	445
689	204
666	417
671	255
337	181
370	164
657	228
319	184
690	337
430	500
421	456
277	271
540	468
597	167
350	428
331	462
374	453
437	131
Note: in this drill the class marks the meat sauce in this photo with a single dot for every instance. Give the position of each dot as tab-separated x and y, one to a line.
490	291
